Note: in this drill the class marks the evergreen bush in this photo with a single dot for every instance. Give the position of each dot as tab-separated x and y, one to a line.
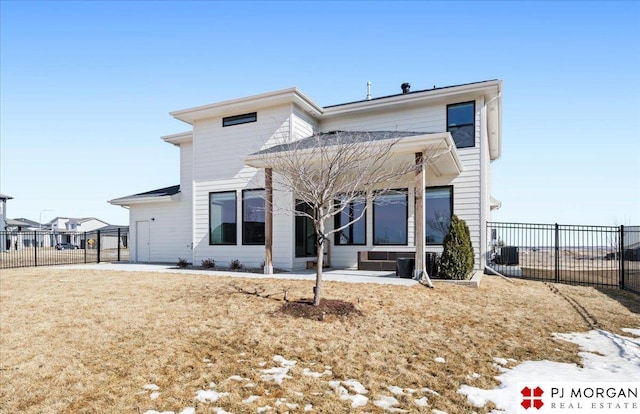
457	257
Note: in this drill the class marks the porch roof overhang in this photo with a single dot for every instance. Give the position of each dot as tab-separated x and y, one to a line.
154	196
439	149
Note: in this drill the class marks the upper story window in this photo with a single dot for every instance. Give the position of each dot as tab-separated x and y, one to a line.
239	119
461	123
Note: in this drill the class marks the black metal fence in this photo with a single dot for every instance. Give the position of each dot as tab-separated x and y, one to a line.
604	256
47	248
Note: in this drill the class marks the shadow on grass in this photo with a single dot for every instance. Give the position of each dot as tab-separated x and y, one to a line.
626	298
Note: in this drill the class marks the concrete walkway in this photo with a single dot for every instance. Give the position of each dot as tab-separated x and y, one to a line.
336	275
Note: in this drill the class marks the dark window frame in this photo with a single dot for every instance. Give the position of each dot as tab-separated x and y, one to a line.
451	196
235	212
244	242
406	222
240	119
298	219
473	123
336	224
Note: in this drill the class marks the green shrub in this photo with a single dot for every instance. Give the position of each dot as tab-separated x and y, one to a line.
208	264
457	257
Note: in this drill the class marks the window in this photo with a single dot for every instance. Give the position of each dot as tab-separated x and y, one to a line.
239	119
305	231
355	233
253	210
390	217
222	218
461	123
439	208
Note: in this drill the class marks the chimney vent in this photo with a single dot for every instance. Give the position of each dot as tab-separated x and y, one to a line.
368	90
405	87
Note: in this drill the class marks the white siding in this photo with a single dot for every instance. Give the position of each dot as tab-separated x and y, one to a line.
169	222
218	167
467	190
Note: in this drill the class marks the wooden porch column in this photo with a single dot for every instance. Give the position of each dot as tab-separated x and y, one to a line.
420	269
268	221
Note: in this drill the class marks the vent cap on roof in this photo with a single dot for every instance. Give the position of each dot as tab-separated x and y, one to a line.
405	87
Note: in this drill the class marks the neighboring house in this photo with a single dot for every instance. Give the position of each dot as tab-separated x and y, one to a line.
218	210
70	230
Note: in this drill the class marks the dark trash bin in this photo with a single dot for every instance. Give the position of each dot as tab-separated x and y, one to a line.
508	256
404	267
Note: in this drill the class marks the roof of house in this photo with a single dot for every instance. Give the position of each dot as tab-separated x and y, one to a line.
5	197
26	221
153	195
412	92
339	137
21	222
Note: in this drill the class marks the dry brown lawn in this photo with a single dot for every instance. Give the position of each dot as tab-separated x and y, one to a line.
77	341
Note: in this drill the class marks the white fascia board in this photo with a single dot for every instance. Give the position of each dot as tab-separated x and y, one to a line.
127	201
248	104
494	123
180	138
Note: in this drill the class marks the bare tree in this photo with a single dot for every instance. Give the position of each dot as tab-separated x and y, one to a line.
331	171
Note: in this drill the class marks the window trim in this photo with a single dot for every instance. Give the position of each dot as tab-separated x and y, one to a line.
437	187
235	212
373	215
473	124
233	120
336	224
244	242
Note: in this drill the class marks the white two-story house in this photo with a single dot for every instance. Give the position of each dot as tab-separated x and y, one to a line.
218	209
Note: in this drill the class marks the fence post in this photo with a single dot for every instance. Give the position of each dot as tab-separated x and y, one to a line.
621	256
98	245
35	248
557	254
118	242
86	247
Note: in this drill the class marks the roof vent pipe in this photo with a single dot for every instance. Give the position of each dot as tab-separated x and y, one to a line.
368	90
405	87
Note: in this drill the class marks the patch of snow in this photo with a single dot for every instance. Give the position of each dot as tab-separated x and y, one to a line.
264	409
206	360
394	389
421	402
500	361
209	395
284	362
473	376
250	399
235	378
281	401
154	395
262	364
440	360
389	404
355	386
425	389
310	373
249	385
219	410
151	387
434	411
617	357
635	332
188	410
158	412
357	400
308	407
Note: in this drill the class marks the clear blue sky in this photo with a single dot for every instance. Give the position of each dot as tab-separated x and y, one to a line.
86	88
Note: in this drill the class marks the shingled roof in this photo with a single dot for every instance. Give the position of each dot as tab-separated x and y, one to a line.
339	137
